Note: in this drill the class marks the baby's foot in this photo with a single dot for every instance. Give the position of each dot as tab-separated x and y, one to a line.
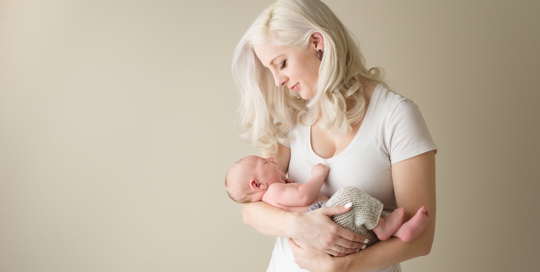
413	227
387	226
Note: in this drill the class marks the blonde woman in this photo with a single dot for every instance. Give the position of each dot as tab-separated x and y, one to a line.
307	98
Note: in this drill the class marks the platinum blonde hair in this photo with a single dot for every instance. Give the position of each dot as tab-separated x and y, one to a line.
269	113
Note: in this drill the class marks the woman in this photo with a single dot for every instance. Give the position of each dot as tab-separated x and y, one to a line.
308	98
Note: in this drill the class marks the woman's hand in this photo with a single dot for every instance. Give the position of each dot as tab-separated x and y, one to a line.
312	259
316	229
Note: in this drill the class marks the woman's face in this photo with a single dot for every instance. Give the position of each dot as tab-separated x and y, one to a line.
298	69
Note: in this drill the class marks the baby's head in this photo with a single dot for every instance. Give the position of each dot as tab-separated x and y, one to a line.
248	179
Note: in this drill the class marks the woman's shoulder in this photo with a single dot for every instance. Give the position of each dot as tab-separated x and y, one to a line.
386	99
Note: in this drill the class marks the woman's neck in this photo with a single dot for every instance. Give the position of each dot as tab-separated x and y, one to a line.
367	92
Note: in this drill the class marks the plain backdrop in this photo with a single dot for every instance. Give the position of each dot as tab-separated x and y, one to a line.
118	121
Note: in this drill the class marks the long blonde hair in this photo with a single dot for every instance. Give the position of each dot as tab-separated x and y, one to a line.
269	113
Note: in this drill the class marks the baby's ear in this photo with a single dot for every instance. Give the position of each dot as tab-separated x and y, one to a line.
255	185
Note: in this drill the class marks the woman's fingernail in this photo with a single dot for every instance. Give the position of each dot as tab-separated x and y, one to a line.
357	249
366	241
348	205
364	246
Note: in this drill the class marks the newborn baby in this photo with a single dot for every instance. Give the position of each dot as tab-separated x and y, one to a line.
254	178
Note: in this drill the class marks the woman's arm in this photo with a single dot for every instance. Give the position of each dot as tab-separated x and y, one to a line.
282	157
267	219
314	228
414	186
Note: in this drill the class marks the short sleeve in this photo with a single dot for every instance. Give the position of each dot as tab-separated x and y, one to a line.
287	144
407	134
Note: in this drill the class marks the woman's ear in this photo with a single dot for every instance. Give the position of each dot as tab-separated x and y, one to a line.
317	41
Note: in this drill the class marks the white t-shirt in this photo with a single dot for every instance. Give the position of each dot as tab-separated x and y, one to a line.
393	130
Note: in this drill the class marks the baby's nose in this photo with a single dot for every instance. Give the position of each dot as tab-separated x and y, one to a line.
271	159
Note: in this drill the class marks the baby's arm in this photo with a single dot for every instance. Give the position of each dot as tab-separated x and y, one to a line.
294	194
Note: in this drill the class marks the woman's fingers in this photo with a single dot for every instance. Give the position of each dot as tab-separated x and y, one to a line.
348	240
310	258
317	230
345	243
345	247
298	243
329	211
336	254
353	237
339	252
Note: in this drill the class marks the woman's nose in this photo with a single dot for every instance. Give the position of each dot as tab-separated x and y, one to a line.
280	79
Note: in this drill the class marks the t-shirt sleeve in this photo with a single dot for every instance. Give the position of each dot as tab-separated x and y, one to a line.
286	143
407	134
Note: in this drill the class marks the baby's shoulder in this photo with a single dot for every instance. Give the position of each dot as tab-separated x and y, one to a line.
282	186
276	189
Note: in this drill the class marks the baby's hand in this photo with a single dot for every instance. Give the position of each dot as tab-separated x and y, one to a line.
320	170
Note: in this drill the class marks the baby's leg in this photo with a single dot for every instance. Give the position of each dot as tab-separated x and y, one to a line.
408	231
387	226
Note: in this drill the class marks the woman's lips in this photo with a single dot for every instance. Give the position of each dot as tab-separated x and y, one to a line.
295	87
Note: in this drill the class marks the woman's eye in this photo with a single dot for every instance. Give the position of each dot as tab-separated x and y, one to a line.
283	65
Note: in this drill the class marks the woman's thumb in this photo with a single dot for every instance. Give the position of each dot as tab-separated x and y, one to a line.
329	211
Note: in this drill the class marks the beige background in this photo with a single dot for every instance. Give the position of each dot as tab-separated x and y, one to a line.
118	122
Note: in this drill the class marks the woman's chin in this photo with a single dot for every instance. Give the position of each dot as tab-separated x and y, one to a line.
306	96
302	95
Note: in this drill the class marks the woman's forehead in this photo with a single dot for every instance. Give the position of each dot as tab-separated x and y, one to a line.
268	52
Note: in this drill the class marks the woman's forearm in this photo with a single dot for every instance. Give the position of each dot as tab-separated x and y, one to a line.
267	219
389	252
414	186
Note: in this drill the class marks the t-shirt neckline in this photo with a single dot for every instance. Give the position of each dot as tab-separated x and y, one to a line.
374	99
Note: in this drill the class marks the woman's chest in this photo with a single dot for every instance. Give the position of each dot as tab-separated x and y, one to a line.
364	165
327	144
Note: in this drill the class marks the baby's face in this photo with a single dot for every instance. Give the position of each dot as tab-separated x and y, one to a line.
249	178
